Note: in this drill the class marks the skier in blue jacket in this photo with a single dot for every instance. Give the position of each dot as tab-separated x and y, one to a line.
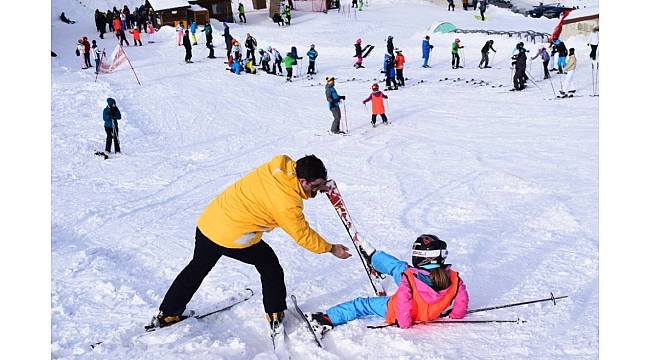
193	31
110	115
426	50
312	54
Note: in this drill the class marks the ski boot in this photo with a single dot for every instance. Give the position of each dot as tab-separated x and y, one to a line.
373	124
277	331
319	322
162	320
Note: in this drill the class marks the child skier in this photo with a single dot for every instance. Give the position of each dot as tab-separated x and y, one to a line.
151	32
484	54
389	68
277	61
377	98
358	54
333	99
288	64
455	59
179	33
562	53
519	61
545	59
399	66
97	56
136	36
428	290
79	51
312	54
266	59
569	84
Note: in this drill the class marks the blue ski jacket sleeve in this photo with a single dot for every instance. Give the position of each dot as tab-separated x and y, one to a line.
332	97
388	264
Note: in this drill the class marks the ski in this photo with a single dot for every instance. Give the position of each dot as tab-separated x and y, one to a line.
335	198
304	318
517	321
367	52
235	299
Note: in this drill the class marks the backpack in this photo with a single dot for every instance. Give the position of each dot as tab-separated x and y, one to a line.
76	51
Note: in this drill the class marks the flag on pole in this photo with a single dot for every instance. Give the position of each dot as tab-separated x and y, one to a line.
117	58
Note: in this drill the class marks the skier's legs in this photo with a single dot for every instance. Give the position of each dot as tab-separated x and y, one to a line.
206	255
569	84
373	120
384	118
310	68
359	307
116	136
336	112
109	139
268	266
289	73
425	63
592	54
546	73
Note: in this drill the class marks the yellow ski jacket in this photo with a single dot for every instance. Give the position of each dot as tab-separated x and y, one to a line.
268	197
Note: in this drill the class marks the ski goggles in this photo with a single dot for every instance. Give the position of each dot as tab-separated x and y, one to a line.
430	253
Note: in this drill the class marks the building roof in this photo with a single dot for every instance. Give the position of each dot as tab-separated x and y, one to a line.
168	4
583	14
195	7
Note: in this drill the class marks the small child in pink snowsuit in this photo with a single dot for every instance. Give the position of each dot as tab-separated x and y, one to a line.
179	33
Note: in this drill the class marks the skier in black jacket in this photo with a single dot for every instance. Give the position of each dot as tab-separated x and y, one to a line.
389	45
484	54
520	69
562	53
187	44
250	43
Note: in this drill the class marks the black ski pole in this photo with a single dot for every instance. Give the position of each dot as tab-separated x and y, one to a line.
552	298
439	321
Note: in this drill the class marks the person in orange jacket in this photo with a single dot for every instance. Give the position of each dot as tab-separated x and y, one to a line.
377	98
233	224
136	36
117	24
399	67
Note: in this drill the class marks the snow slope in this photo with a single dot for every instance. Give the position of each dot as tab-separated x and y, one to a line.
509	180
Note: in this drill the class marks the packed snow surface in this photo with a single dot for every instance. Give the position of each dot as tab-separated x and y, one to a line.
508	179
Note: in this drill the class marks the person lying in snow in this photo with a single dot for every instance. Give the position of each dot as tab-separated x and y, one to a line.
428	290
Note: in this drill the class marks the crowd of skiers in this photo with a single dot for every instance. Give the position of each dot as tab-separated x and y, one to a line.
135	22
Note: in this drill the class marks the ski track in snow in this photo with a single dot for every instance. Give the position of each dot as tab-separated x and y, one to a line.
508	179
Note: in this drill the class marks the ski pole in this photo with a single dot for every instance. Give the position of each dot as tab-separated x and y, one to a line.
440	321
530	77
593	84
552	298
345	118
463	53
552	87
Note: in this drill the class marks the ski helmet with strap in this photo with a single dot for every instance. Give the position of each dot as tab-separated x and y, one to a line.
375	87
428	252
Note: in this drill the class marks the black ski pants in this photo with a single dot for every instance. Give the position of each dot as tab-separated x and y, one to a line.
484	59
242	17
546	73
87	60
188	54
206	255
112	137
311	67
592	54
519	79
455	60
390	80
374	118
289	73
251	53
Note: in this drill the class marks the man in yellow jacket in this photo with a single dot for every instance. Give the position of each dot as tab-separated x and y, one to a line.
232	225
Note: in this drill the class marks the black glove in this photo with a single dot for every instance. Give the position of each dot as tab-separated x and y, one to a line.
342	97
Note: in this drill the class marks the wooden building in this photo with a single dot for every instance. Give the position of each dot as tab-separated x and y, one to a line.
218	9
199	14
170	12
580	22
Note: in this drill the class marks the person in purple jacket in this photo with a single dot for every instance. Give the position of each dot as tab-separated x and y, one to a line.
428	290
